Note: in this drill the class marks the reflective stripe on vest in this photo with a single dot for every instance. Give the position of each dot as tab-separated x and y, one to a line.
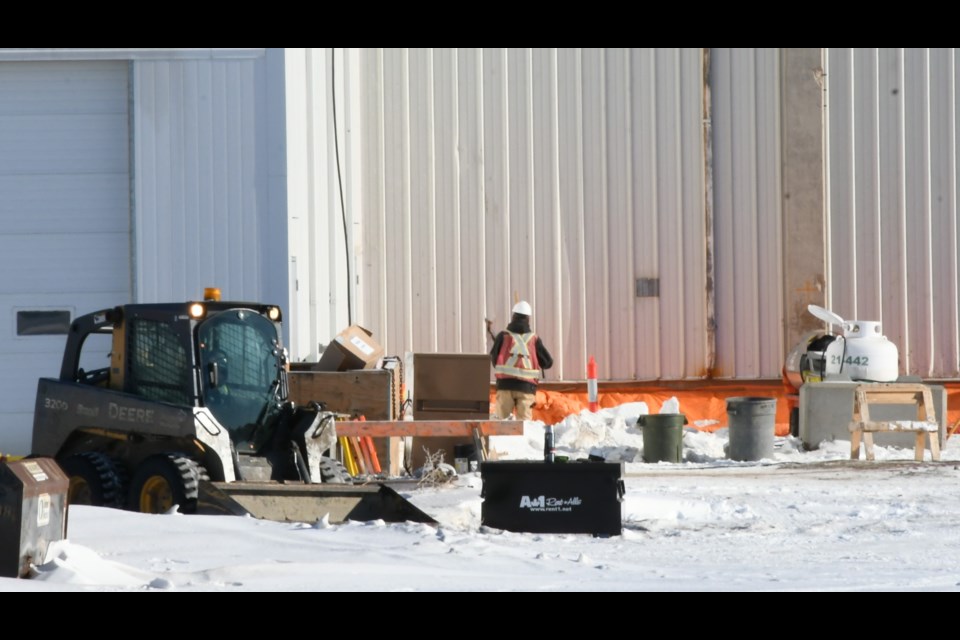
518	358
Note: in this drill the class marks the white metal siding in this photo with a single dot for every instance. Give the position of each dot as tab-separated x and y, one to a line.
892	199
207	209
747	212
64	214
559	176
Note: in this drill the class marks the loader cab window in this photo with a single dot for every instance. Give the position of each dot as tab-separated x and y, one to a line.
240	362
158	365
95	359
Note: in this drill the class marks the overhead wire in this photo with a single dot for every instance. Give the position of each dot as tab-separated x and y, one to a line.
343	208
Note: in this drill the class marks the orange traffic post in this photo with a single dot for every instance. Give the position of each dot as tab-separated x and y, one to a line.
592	385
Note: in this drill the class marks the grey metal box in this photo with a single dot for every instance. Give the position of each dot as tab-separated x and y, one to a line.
826	409
33	513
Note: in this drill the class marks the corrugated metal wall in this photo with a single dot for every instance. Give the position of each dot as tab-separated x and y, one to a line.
472	177
892	140
555	176
209	194
747	213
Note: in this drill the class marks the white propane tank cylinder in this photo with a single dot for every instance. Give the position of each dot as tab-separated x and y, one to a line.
868	355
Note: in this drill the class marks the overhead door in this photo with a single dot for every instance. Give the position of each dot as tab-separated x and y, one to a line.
64	218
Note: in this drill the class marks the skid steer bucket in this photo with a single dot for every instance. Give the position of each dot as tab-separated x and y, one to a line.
308	502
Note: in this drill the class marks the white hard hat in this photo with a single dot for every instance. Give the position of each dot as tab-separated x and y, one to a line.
523	307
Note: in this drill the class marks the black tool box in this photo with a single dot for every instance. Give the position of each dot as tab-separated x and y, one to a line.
561	497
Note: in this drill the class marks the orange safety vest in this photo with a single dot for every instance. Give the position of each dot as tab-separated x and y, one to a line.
518	357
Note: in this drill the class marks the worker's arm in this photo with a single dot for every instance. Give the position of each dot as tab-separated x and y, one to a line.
495	349
543	356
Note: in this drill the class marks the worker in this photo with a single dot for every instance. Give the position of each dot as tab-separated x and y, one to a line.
519	359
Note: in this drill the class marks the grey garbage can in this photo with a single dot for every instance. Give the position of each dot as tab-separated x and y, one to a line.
751	428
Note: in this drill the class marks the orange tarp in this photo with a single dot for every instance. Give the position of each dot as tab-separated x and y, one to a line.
703	403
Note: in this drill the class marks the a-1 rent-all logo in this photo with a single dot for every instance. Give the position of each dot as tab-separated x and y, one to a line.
543	503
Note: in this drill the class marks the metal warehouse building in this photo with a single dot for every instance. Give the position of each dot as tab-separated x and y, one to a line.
669	211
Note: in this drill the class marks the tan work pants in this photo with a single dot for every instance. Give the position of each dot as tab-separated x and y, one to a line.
508	400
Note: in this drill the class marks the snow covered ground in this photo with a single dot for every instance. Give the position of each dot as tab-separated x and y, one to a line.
796	522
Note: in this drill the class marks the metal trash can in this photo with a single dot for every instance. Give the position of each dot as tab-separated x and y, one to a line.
33	513
560	497
751	427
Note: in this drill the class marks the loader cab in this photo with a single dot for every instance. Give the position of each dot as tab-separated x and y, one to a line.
225	356
242	371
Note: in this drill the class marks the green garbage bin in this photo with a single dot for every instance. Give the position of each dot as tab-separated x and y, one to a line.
662	437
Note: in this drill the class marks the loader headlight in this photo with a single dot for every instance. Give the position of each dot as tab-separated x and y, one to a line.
273	313
197	310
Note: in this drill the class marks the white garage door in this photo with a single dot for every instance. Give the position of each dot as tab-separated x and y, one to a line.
64	218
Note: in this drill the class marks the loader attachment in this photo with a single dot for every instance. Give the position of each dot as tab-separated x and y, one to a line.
308	502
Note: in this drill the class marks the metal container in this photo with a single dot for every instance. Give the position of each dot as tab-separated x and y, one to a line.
33	513
542	497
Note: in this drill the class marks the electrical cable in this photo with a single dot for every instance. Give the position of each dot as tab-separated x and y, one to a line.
343	208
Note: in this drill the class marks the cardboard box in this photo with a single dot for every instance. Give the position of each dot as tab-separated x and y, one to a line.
353	348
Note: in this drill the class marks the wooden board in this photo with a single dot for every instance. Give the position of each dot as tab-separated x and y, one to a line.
368	392
430	428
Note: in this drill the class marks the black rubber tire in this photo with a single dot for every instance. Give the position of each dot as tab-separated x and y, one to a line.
333	471
162	481
95	479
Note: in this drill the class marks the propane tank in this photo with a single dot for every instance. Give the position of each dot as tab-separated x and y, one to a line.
864	353
861	353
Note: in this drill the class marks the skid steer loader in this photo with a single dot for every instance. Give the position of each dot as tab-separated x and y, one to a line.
193	411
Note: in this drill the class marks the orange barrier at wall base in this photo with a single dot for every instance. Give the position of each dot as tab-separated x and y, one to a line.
703	403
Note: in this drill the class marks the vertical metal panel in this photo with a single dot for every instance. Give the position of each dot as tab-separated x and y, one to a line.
547	230
619	228
569	346
471	194
746	154
891	194
670	211
422	215
944	298
448	248
496	170
520	214
769	214
558	176
397	329
200	179
918	222
373	242
645	254
598	342
892	199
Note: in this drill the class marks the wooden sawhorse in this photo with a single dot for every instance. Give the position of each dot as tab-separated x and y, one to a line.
925	425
